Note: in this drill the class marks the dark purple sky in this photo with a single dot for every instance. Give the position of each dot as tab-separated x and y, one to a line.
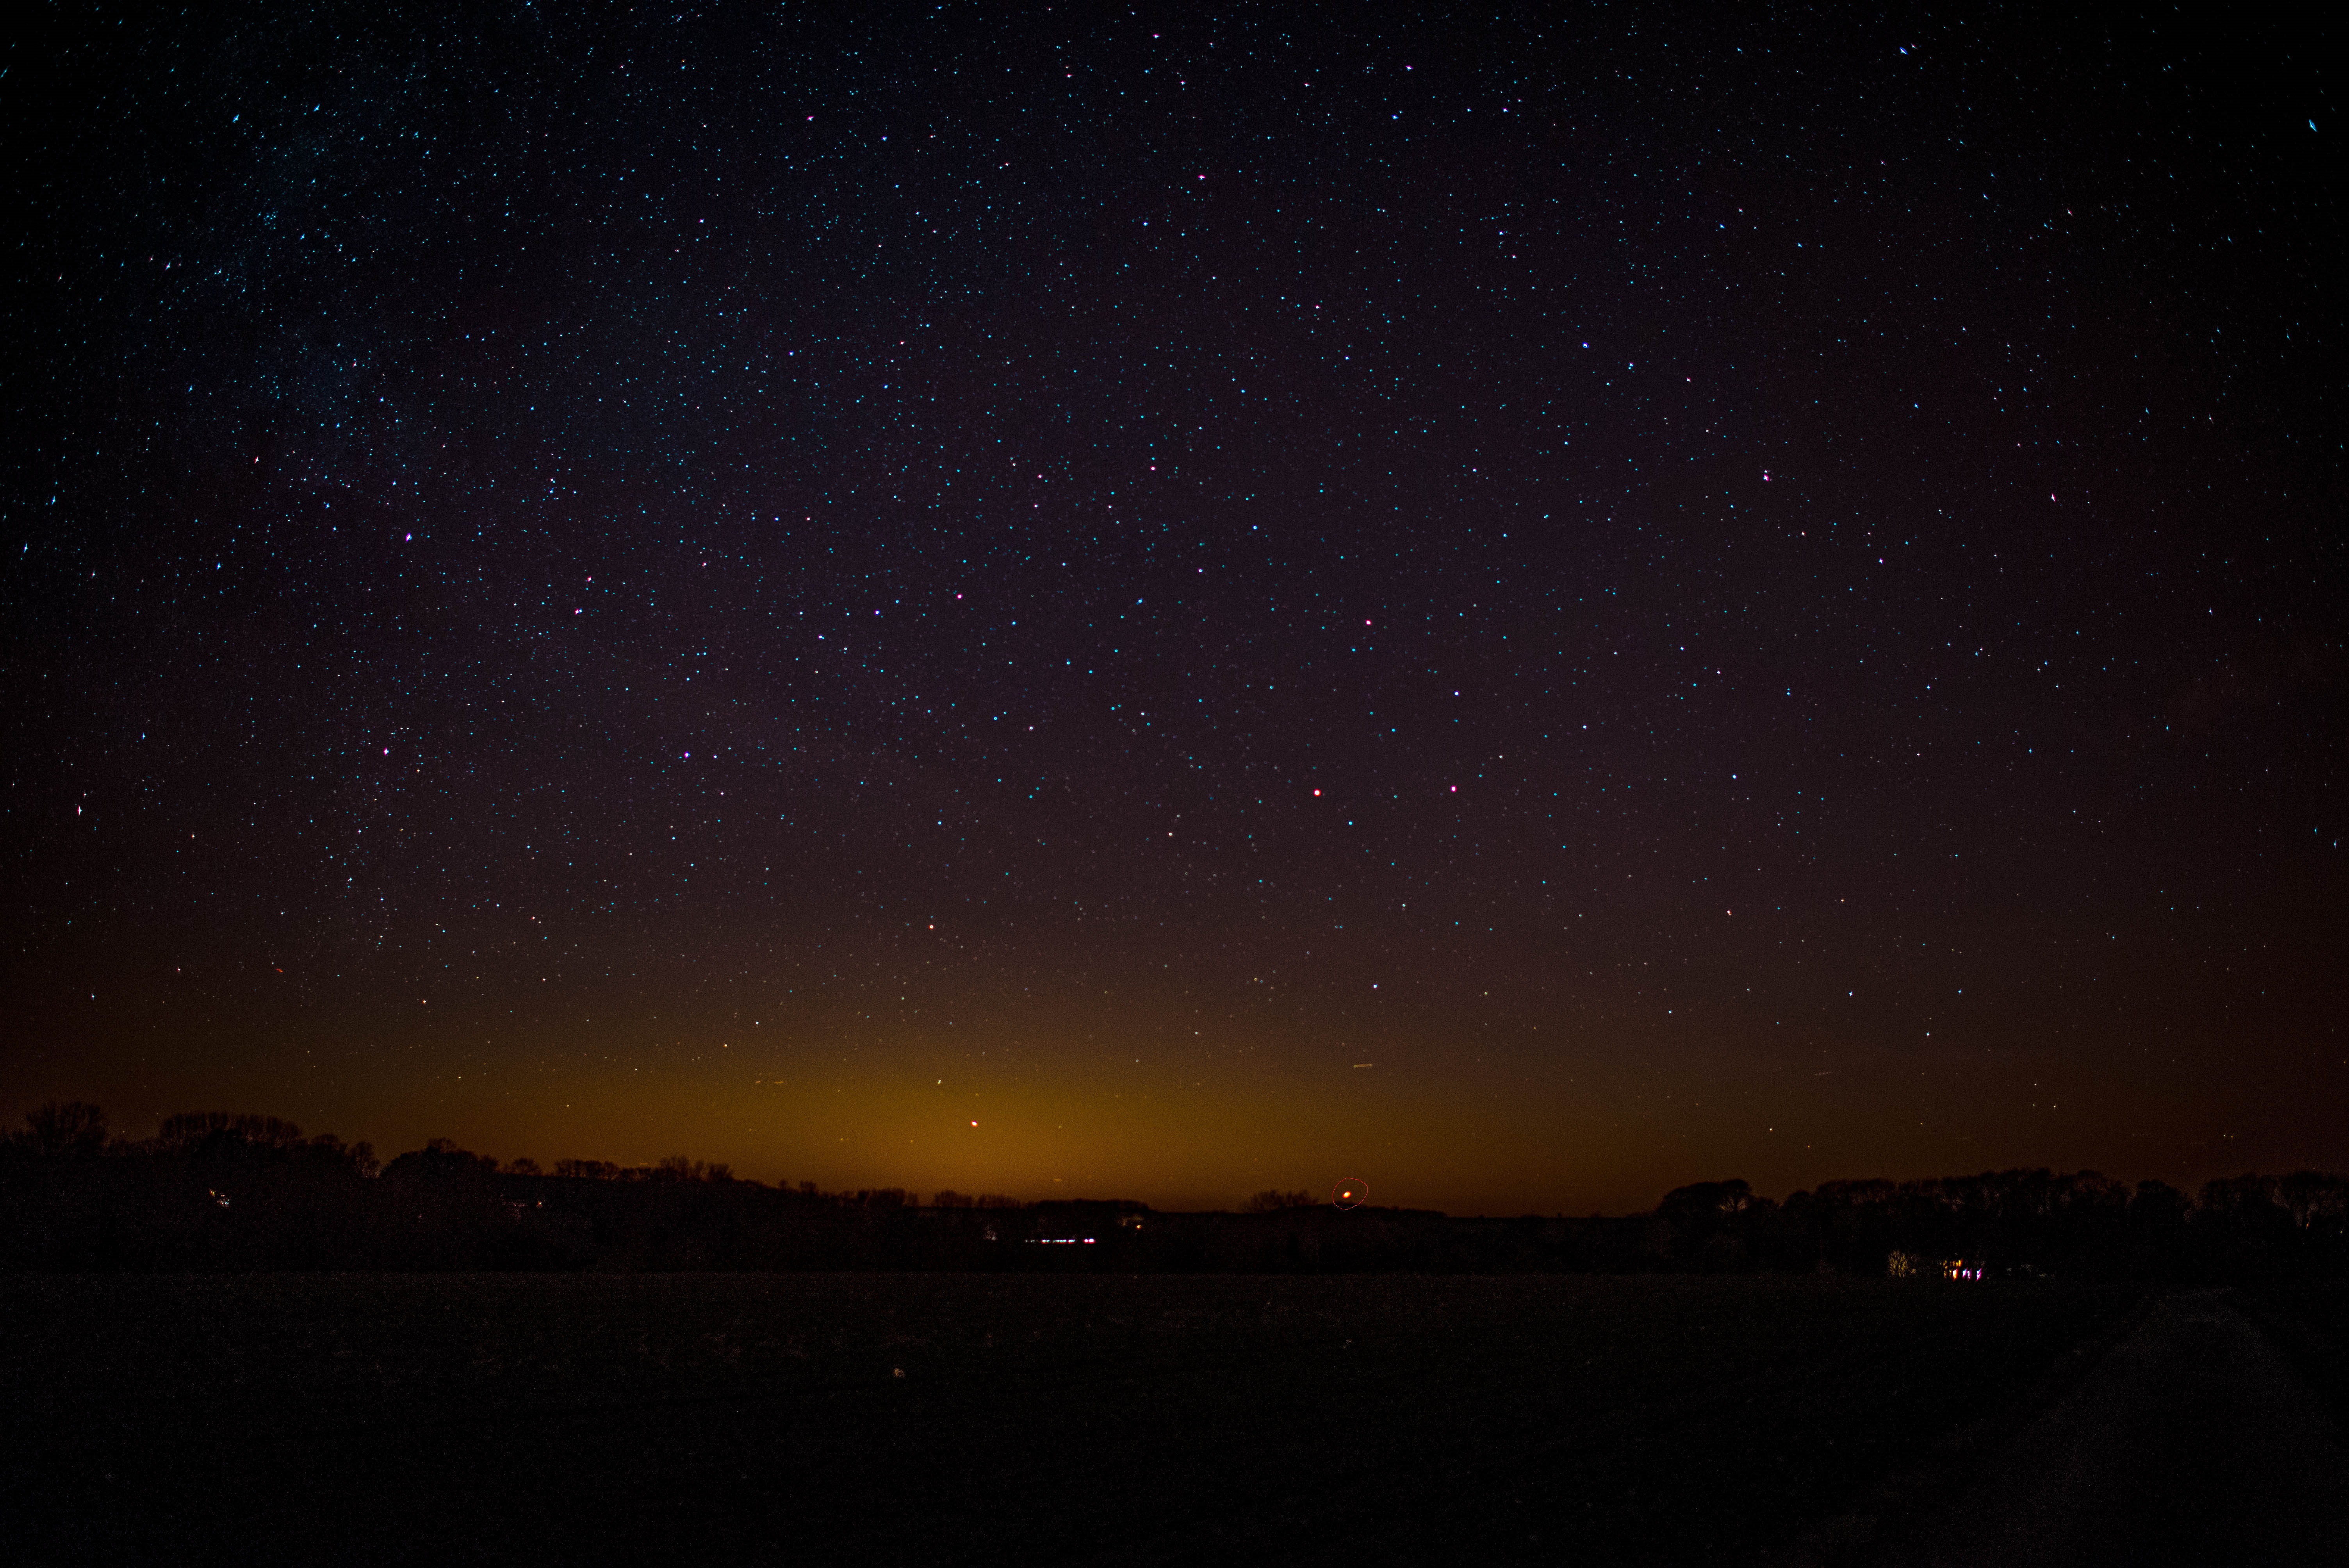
1153	601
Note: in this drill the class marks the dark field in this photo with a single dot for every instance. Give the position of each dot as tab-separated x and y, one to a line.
1039	1419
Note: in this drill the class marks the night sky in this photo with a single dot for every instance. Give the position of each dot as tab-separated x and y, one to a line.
1520	605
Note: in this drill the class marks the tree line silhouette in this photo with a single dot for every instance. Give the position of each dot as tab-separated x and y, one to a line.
213	1190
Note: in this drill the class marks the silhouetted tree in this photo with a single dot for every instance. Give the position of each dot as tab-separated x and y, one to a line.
2157	1205
219	1190
1705	1208
2315	1201
1710	1222
72	1127
191	1130
441	1160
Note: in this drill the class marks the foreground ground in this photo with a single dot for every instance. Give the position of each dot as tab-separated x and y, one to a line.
945	1418
2194	1440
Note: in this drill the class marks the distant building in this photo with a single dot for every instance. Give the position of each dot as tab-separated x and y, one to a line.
1914	1265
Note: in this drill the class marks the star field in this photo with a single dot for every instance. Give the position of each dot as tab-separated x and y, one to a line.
997	599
